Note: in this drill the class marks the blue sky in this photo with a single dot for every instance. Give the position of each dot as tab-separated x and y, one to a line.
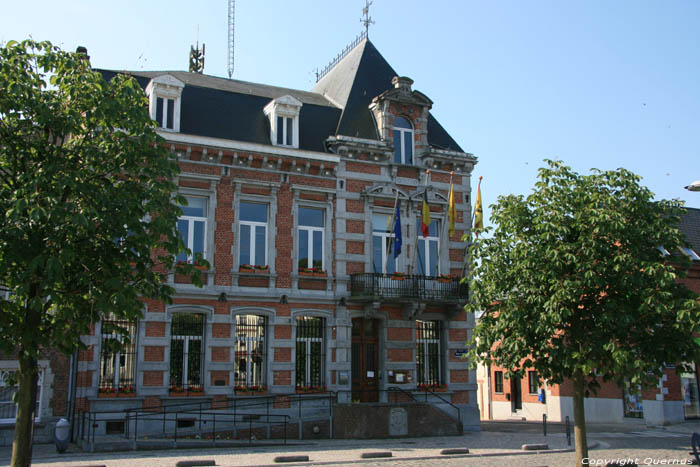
594	83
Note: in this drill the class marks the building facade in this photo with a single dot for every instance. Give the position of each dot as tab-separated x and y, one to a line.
293	199
673	400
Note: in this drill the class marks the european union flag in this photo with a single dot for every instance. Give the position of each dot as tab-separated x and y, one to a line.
397	232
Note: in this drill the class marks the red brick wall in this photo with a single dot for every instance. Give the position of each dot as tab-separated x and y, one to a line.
354	226
155	329
283	354
400	355
221	330
154	353
219	376
152	378
283	331
459	376
282	378
399	334
354	248
220	354
84	379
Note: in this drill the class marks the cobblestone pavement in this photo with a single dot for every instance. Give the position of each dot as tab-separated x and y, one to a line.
651	447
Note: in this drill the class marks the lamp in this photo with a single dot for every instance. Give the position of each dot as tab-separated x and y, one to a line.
695	186
222	297
283	300
342	301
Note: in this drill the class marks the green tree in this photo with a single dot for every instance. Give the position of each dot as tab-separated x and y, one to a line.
86	192
572	283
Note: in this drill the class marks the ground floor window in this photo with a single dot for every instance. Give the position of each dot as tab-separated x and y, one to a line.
689	388
117	356
533	382
249	352
428	353
310	356
186	351
8	388
632	399
498	382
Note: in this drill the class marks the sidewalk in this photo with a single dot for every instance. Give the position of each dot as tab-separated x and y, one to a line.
318	451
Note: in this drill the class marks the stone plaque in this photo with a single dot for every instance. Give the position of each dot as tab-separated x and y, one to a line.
398	422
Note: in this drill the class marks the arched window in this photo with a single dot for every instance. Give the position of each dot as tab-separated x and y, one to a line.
310	353
403	141
250	353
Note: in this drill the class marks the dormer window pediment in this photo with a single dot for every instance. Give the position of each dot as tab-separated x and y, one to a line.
164	95
283	113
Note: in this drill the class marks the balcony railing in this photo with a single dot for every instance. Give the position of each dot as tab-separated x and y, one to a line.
373	286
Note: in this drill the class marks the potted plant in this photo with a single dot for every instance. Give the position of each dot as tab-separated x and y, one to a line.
106	392
126	391
398	276
432	387
246	268
263	269
310	389
445	278
254	390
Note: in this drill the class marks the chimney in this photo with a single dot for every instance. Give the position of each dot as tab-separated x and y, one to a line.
82	50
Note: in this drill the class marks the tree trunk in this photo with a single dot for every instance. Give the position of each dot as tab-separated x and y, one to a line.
580	420
26	403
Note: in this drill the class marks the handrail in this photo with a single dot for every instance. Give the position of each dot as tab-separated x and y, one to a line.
459	412
407	287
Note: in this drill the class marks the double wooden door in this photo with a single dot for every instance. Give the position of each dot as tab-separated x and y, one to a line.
365	360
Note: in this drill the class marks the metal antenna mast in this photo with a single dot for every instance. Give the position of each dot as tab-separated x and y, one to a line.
231	20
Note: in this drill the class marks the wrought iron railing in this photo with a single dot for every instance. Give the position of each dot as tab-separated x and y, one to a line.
397	287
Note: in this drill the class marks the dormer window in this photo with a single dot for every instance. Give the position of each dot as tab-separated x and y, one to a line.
283	113
403	141
165	112
164	94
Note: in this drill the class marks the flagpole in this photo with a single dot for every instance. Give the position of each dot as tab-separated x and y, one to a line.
391	239
437	268
427	177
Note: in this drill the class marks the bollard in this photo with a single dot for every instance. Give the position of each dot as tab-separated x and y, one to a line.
61	435
568	431
544	423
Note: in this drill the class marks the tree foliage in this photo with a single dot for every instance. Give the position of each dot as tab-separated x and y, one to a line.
572	283
86	194
573	279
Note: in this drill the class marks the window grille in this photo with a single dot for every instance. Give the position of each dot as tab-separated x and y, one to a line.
310	352
8	388
428	356
117	354
250	351
186	350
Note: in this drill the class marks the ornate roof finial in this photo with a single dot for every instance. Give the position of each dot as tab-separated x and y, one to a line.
367	20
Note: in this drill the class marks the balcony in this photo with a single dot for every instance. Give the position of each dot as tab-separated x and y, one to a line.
380	287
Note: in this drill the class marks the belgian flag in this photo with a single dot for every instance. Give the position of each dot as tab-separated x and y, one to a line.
425	216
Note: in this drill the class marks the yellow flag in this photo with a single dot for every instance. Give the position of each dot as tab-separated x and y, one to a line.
478	211
452	210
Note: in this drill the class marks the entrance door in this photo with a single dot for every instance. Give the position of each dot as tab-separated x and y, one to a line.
365	355
516	394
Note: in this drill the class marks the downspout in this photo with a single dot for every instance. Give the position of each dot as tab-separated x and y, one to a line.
72	383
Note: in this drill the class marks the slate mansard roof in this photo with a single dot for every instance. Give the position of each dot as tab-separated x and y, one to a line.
690	227
338	104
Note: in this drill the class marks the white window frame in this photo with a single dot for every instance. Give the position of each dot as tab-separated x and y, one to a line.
402	150
190	227
40	386
386	236
310	247
426	249
286	107
253	225
165	87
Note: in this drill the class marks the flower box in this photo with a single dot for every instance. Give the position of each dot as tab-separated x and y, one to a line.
311	390
441	388
249	269
444	280
187	394
398	278
251	393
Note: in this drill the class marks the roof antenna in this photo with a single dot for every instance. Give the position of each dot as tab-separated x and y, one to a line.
231	20
367	20
197	57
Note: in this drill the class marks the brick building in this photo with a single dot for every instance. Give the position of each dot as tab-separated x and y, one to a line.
673	400
291	198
